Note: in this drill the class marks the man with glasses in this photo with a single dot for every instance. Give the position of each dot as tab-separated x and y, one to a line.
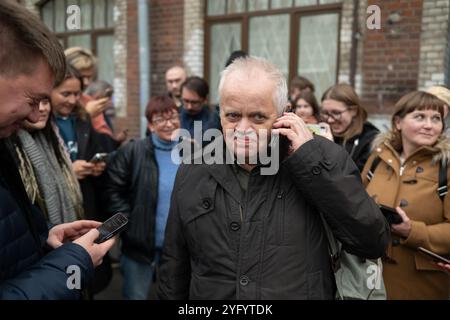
34	259
139	183
195	112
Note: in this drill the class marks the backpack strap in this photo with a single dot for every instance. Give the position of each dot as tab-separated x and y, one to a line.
442	187
334	248
373	167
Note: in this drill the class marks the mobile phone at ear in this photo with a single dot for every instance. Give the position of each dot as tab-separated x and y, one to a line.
391	214
434	256
108	93
112	227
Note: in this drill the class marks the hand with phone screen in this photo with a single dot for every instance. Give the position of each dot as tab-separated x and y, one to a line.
112	227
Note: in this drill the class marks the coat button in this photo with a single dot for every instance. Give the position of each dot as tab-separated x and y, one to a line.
403	203
244	281
206	204
419	170
235	226
316	170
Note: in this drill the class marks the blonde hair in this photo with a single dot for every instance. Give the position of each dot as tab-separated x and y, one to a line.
440	92
81	58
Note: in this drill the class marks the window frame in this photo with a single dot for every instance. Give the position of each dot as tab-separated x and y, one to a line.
93	32
295	13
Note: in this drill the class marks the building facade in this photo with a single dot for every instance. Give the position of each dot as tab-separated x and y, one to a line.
383	48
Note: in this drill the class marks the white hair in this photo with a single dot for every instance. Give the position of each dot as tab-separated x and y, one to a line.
247	65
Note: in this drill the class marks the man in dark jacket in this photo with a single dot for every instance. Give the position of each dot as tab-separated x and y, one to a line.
236	233
30	60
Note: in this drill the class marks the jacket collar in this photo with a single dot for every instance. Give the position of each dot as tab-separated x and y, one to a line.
440	151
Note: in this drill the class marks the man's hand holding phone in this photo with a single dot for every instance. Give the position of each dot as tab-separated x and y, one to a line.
294	128
67	232
96	250
83	233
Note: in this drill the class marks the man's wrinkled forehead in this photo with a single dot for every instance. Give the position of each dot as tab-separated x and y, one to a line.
243	85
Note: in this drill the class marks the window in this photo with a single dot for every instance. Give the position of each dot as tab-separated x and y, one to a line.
96	29
301	37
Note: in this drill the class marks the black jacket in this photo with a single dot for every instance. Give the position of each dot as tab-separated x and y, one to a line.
89	143
359	147
270	245
132	188
25	273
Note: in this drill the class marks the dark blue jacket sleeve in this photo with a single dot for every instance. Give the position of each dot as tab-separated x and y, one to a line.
52	277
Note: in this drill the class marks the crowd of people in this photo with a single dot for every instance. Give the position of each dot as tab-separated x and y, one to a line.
201	230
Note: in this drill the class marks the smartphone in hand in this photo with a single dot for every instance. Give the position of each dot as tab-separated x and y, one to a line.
391	214
99	157
111	227
434	256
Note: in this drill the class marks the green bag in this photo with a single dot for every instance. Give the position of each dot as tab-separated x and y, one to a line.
356	278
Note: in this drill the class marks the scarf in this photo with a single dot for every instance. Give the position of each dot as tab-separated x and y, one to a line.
49	182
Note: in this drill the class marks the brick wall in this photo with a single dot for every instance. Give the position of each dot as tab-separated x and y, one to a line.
166	27
131	120
434	43
194	16
390	56
345	44
120	58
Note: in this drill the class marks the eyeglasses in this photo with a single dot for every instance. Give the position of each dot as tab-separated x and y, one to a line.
192	102
162	121
336	115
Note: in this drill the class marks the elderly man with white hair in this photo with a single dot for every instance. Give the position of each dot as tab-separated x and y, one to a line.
234	232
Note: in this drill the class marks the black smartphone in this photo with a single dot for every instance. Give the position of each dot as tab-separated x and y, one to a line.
433	255
111	227
391	214
99	157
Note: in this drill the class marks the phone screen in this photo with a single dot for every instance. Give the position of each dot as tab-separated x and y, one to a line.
99	157
111	227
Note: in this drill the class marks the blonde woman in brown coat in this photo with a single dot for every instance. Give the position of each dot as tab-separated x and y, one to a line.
406	178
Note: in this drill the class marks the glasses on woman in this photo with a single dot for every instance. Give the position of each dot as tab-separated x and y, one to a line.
336	115
160	121
302	106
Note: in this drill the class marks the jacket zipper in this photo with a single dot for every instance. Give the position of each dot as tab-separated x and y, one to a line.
402	168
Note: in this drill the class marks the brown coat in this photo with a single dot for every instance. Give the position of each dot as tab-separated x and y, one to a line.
407	273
